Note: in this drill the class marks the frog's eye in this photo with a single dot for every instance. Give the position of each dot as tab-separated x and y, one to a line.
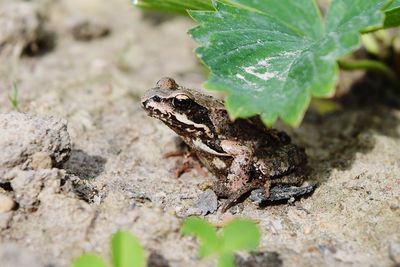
182	101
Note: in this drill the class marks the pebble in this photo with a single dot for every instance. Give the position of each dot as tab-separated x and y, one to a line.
89	30
307	230
27	142
41	160
206	203
394	252
263	258
6	203
277	226
157	260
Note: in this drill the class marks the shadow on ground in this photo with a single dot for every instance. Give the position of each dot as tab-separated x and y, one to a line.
84	166
333	140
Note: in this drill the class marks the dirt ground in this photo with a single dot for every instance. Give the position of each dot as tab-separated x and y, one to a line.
117	178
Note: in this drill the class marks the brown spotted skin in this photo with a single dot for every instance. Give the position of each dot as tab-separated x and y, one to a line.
167	83
243	154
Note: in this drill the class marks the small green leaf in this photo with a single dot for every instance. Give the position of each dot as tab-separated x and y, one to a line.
126	250
89	260
270	57
392	14
226	260
205	232
14	96
177	6
240	235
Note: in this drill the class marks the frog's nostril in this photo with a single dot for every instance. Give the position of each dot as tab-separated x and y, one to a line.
156	98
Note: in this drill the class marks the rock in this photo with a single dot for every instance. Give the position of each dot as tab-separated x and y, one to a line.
30	142
22	27
87	30
18	22
41	160
236	209
28	186
5	219
6	203
206	203
157	260
277	225
255	259
394	252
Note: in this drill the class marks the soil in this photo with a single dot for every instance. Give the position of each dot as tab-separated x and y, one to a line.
116	176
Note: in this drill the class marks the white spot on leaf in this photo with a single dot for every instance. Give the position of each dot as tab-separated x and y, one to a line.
261	65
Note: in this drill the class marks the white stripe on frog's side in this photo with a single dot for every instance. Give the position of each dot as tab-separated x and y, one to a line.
203	147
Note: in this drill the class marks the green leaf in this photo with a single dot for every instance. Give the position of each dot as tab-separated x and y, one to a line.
177	6
270	57
226	260
205	232
240	235
88	260
126	250
392	14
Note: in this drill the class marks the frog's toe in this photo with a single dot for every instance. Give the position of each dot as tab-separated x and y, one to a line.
227	205
237	196
284	192
258	196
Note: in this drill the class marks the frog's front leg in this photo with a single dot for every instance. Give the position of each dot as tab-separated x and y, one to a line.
237	181
239	171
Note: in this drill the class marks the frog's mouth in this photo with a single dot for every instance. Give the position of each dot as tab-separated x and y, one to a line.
147	107
155	108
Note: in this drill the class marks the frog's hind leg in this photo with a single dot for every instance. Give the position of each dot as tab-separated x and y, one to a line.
294	179
239	171
279	187
235	196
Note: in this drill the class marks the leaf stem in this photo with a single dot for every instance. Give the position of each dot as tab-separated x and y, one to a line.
371	65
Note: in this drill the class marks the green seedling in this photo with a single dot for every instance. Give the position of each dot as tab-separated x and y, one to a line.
272	57
126	251
13	97
237	235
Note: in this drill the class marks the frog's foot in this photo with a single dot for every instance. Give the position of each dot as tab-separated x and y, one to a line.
185	165
220	189
280	192
259	195
179	153
176	153
181	150
187	159
235	196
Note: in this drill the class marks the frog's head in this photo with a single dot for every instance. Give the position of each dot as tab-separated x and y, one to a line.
185	111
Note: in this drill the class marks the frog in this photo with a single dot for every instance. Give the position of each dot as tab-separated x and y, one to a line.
243	154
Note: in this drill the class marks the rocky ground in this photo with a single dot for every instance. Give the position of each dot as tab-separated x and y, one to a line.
83	160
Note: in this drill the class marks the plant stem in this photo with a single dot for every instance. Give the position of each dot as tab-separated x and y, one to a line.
371	65
14	96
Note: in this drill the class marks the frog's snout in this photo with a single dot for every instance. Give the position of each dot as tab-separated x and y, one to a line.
144	102
150	102
147	104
